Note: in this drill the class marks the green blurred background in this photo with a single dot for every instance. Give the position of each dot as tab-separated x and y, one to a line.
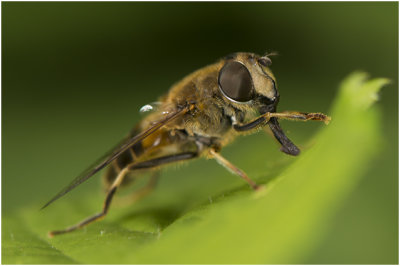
76	74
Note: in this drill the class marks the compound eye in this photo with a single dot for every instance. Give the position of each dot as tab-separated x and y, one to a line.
235	82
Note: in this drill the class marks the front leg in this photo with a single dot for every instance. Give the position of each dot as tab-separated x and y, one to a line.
299	116
272	120
258	122
290	115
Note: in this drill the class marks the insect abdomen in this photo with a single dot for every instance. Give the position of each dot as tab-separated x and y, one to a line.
125	159
161	143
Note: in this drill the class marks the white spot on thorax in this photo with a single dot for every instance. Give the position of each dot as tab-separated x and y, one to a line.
146	108
233	119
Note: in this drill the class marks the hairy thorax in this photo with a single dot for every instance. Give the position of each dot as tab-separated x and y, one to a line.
208	118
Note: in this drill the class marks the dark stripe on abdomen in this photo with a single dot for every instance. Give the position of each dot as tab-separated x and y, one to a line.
124	159
137	148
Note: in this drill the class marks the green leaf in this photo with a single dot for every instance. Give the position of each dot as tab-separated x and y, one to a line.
20	246
281	224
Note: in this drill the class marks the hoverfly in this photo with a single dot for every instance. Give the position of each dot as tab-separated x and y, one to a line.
197	117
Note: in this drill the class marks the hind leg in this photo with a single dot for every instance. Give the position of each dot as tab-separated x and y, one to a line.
140	193
117	182
101	214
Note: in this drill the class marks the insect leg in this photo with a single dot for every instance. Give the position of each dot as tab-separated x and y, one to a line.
299	116
142	192
260	121
272	120
141	165
233	169
164	160
146	189
106	206
153	179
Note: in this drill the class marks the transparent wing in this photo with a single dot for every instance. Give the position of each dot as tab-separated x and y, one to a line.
113	154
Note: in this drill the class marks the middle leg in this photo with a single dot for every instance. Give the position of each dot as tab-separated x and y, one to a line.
117	182
233	169
140	193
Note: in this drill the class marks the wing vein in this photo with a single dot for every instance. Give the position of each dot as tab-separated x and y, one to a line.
92	170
